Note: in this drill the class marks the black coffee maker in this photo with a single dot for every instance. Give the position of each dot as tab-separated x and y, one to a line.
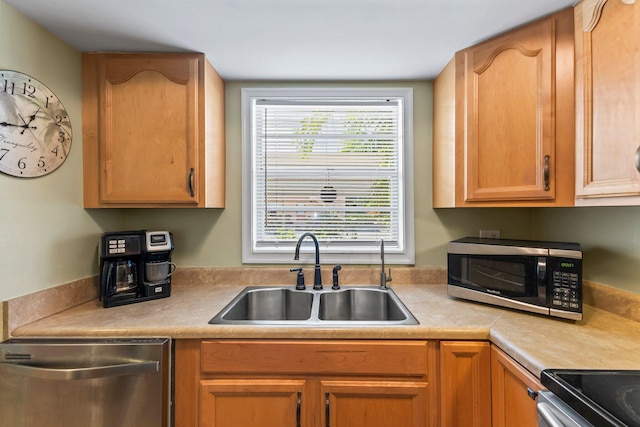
135	266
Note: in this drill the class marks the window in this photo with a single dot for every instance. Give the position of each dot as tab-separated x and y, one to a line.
333	162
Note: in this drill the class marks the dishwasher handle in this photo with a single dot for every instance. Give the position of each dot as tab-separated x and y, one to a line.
67	374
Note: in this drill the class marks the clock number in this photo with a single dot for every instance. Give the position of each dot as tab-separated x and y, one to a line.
41	162
46	105
55	151
61	137
6	86
21	163
3	152
28	90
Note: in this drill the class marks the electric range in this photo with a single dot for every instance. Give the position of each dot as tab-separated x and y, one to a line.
602	397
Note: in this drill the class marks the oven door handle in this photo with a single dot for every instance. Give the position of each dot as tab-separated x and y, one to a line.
66	374
546	415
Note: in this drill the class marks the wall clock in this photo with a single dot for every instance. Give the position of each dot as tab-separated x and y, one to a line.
35	130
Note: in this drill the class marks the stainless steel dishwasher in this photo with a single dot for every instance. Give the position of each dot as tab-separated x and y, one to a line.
85	382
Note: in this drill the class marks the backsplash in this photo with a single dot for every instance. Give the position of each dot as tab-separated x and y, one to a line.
31	307
616	301
255	276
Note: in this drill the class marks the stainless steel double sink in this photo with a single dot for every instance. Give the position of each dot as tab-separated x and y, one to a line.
348	306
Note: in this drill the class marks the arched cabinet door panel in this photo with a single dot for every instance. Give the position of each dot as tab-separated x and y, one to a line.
607	36
504	131
147	139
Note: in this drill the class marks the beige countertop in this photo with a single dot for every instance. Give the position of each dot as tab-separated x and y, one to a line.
601	341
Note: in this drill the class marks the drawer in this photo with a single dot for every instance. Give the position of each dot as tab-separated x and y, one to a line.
378	357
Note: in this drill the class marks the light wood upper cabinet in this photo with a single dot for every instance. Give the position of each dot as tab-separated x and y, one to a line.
511	387
503	120
153	131
607	37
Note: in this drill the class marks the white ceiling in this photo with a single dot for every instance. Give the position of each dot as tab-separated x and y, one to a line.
291	40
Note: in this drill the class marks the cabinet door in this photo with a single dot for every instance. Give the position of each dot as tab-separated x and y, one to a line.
148	128
607	37
511	403
251	403
465	375
374	403
508	126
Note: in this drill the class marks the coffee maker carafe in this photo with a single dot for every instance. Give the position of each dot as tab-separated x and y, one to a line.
135	266
126	276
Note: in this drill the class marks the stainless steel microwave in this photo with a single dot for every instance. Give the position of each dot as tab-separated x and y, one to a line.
535	276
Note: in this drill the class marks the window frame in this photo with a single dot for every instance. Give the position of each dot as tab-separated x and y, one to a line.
350	254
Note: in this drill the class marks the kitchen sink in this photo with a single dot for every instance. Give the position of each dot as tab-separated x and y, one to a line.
361	305
270	304
348	306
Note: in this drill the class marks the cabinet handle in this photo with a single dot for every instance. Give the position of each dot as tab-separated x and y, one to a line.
191	182
636	159
532	393
326	409
298	409
546	172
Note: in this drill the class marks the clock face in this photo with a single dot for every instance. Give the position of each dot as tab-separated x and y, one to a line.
35	130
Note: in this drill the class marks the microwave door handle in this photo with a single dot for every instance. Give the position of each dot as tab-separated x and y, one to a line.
541	270
66	374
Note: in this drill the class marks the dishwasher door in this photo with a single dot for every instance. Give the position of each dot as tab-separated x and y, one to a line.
85	382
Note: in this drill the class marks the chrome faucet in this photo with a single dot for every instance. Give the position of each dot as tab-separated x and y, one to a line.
384	279
317	276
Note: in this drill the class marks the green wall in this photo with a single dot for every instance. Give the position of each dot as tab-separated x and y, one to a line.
46	238
610	239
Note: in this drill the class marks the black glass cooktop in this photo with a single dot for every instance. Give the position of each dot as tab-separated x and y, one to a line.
604	398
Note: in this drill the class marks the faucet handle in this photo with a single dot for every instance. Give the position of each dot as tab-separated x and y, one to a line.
384	279
299	279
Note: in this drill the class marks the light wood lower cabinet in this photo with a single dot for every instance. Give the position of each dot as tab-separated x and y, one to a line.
512	404
350	383
480	385
251	402
374	403
221	383
465	384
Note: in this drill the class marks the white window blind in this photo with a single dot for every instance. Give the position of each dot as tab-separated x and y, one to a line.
332	166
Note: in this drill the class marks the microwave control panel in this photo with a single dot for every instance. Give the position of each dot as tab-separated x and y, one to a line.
566	284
